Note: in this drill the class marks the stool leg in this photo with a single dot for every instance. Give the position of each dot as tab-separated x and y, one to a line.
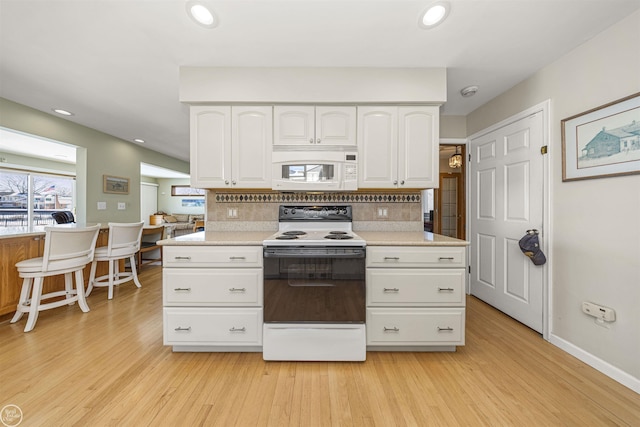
35	304
92	277
134	272
82	302
68	288
27	283
111	274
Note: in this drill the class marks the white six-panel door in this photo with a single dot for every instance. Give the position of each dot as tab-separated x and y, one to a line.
507	189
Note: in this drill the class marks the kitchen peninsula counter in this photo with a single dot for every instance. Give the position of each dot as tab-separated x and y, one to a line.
408	238
218	238
255	238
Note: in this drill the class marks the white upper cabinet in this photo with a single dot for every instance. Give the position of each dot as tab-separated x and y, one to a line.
231	146
319	126
398	147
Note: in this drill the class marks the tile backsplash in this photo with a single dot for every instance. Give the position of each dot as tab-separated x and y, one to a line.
258	210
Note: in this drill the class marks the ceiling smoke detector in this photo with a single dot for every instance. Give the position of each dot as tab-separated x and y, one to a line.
469	91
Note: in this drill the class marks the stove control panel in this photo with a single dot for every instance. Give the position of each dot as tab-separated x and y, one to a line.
315	213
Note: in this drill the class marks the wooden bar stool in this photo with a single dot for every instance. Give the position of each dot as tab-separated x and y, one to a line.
124	243
66	251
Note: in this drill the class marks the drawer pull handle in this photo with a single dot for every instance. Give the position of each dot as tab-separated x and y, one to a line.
446	258
445	289
180	328
447	329
394	329
183	257
391	289
182	289
237	257
391	258
234	329
237	289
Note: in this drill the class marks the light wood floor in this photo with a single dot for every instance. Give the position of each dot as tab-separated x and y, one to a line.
109	367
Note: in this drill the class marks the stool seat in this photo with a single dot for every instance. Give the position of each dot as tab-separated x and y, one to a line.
124	243
66	251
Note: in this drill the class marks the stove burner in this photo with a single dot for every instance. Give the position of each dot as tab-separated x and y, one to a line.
294	233
286	237
337	232
338	237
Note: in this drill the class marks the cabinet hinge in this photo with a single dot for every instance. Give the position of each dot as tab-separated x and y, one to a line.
469	269
544	149
469	157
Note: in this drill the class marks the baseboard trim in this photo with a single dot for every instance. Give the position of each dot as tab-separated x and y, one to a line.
609	370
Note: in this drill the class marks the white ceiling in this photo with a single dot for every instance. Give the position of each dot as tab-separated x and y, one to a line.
115	64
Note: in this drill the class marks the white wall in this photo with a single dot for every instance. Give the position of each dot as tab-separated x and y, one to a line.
595	226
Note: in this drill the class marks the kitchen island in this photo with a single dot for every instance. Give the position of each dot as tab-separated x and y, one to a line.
213	291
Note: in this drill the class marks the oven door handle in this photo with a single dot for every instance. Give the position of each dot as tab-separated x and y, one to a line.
311	254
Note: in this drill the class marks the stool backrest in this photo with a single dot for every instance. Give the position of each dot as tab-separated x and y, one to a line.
66	248
124	239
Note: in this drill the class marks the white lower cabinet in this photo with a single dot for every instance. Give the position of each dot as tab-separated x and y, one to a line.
212	298
415	297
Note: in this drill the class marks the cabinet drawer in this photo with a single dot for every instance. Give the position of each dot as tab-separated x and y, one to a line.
415	287
212	287
212	256
416	256
420	326
212	326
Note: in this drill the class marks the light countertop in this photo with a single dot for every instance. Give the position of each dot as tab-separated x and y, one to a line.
255	238
38	230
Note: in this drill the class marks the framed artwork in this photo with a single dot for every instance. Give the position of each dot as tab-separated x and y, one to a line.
185	190
602	142
115	184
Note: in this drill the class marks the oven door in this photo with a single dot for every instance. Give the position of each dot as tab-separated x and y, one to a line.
314	285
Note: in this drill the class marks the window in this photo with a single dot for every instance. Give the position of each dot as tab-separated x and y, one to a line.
185	190
28	198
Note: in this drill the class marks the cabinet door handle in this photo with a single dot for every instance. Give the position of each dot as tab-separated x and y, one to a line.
394	329
182	289
402	182
182	257
234	329
233	181
446	258
447	329
237	257
318	141
445	289
391	258
395	182
237	289
310	140
180	328
226	182
391	290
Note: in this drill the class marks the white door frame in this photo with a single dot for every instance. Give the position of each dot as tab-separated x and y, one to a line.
545	108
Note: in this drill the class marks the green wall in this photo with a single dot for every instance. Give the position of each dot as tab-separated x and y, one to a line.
98	154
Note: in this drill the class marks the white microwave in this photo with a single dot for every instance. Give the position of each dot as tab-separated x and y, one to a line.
315	170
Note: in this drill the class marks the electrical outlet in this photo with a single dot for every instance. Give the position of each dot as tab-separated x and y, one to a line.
383	213
599	312
122	206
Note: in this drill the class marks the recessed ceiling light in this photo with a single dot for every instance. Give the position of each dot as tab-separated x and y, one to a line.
141	141
469	91
201	14
434	15
62	112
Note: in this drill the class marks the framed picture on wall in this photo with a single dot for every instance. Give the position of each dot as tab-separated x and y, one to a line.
602	142
115	184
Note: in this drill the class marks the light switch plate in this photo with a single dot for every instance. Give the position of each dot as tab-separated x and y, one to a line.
102	206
